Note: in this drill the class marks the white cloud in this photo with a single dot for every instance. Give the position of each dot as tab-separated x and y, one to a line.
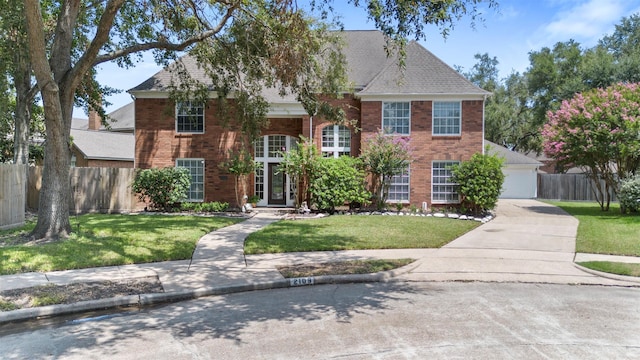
585	21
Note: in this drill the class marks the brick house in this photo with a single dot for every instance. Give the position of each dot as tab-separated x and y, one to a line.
438	109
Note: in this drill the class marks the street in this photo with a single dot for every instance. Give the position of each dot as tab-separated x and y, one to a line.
357	321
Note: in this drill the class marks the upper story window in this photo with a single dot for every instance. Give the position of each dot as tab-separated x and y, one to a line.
396	117
446	117
336	141
190	117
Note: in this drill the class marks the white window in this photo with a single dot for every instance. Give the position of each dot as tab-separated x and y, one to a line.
277	146
196	169
399	188
336	141
446	117
190	117
443	189
396	117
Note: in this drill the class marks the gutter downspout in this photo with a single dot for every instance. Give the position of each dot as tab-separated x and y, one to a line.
484	100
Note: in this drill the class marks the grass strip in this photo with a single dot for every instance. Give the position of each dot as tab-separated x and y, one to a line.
356	232
618	268
343	267
601	232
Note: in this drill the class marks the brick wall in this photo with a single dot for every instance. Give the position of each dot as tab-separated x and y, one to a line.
158	145
426	147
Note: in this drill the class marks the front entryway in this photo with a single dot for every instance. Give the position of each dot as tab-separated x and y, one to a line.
277	183
272	187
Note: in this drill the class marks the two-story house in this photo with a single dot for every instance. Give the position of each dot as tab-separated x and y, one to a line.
438	109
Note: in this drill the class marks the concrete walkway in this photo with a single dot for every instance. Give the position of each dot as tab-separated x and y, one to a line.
528	241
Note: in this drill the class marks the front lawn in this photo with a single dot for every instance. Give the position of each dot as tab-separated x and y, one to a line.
356	232
106	240
604	232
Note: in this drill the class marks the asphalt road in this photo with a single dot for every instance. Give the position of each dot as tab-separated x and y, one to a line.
358	321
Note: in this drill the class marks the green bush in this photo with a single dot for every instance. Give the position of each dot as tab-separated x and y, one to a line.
629	195
480	181
338	181
214	206
162	188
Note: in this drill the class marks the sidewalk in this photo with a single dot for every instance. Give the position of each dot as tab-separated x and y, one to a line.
528	241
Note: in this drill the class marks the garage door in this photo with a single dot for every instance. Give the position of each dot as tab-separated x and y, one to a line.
519	183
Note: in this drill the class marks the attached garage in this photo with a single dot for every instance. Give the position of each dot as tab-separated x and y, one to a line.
520	171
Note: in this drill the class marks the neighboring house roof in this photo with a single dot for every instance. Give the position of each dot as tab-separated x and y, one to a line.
511	157
79	124
120	120
368	68
104	145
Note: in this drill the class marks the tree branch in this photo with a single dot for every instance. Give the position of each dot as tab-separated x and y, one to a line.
167	45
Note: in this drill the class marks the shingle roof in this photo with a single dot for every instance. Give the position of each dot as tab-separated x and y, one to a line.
104	145
368	68
121	119
511	157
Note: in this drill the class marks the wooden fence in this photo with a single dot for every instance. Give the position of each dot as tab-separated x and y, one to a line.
577	187
105	190
13	179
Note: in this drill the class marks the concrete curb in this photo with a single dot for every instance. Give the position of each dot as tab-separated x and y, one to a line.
605	275
143	300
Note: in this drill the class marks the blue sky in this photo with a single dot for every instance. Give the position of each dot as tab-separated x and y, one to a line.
517	28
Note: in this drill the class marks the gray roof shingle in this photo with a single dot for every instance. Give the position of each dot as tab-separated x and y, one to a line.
511	157
104	145
368	68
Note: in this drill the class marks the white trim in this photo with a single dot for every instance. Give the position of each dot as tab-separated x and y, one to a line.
286	110
408	200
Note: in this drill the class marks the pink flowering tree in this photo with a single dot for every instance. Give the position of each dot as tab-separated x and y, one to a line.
385	156
598	131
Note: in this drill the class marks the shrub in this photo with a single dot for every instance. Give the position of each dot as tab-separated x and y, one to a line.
629	194
162	188
338	181
214	206
480	181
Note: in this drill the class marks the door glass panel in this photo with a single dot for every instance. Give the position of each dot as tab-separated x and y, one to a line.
277	185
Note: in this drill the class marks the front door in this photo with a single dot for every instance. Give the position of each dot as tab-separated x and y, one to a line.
277	194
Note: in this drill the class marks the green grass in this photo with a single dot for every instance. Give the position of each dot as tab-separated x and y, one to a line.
343	267
106	240
613	267
604	232
344	232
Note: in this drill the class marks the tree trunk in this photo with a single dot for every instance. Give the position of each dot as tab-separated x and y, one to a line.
55	194
24	99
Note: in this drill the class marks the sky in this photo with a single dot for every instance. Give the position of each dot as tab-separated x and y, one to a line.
517	28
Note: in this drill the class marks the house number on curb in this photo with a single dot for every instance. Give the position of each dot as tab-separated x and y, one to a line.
301	281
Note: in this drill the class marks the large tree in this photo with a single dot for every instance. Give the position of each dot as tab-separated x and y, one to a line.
598	131
286	44
16	85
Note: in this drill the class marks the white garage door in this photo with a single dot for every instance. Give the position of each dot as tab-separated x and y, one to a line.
519	183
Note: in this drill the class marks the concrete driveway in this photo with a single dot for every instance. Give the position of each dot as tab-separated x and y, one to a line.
528	241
